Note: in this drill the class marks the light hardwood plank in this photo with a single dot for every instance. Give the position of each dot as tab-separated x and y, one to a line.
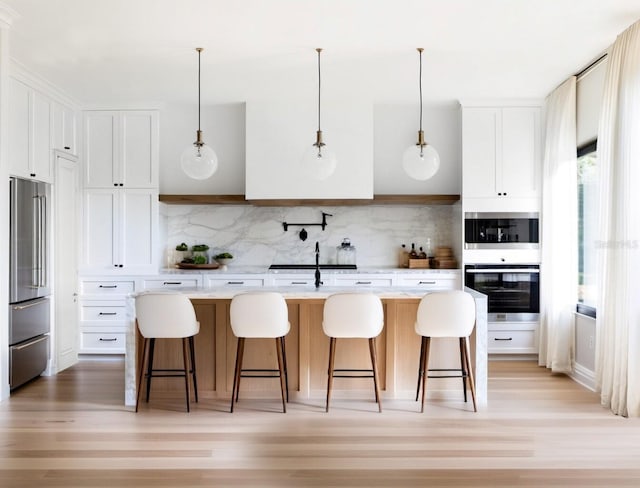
539	429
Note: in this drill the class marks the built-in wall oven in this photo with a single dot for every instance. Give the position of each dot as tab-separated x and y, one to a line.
513	290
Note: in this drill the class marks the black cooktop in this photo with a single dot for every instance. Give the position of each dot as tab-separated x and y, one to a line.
313	266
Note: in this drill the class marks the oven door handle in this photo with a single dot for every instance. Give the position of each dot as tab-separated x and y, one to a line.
504	270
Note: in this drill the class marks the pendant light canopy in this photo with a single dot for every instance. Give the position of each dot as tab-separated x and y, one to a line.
319	161
421	161
199	161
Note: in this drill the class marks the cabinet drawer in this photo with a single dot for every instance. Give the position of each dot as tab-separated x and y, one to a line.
108	287
429	283
363	281
512	341
302	281
170	283
103	312
102	342
217	282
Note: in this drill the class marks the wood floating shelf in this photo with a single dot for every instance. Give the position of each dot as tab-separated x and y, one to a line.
300	202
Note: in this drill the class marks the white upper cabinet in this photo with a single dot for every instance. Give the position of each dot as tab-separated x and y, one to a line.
64	128
279	132
29	133
121	149
501	158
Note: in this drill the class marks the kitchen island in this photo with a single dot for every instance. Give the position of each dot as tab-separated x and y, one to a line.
307	349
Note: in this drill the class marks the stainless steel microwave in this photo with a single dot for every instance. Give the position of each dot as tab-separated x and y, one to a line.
501	230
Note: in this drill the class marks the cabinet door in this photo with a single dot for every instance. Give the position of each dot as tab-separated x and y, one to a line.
521	152
100	149
41	148
64	128
18	142
138	217
139	149
480	152
66	263
101	232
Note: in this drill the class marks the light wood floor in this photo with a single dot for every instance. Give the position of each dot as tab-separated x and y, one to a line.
539	430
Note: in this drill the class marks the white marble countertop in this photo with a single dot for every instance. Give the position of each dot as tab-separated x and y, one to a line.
230	269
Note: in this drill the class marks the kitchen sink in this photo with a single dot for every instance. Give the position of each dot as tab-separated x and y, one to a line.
313	266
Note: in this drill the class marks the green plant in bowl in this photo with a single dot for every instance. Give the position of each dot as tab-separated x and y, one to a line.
182	247
223	258
199	248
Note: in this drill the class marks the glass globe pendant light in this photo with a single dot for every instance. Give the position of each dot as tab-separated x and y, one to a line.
421	161
319	161
199	161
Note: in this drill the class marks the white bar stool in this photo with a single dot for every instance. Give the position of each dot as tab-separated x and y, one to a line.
446	314
353	315
166	316
260	315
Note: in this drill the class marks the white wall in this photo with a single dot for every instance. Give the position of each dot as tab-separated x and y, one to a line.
585	351
395	127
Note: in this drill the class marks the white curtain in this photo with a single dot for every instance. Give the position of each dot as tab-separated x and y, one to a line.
618	306
559	269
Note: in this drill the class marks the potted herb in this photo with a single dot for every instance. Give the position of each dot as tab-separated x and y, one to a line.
223	258
200	253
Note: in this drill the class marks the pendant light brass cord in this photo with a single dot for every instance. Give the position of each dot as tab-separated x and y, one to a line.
319	50
199	49
420	85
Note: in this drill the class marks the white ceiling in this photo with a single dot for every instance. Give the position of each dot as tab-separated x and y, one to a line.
131	51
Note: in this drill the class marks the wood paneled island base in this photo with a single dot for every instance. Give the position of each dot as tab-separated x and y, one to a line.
307	349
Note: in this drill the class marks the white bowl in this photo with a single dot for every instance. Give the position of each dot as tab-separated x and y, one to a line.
224	261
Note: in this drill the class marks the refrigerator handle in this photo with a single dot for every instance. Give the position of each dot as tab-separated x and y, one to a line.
35	273
43	241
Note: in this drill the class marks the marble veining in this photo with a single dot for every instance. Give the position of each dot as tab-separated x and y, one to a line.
255	235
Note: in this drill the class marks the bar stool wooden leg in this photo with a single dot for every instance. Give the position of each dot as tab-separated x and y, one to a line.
284	359
472	382
143	359
374	365
193	366
419	370
152	346
332	352
283	373
185	362
238	368
463	367
425	369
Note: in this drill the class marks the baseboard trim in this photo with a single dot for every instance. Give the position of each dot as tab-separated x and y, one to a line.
583	376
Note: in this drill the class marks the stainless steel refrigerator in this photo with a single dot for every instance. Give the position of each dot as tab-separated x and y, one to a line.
29	290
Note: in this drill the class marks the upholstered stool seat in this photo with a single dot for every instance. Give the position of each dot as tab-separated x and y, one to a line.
260	315
166	316
446	314
353	315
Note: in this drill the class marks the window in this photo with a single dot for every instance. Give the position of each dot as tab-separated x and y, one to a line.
587	226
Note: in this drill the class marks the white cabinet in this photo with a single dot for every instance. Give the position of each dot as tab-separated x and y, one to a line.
512	338
278	134
29	133
362	280
171	282
103	315
64	128
501	158
119	230
121	149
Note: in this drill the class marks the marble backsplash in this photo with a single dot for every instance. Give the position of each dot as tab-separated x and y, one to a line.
255	236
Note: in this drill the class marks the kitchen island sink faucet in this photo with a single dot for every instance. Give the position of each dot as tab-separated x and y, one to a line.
318	282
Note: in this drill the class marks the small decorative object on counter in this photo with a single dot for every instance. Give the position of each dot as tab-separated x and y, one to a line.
346	253
404	256
223	258
444	258
413	254
418	259
181	252
200	255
